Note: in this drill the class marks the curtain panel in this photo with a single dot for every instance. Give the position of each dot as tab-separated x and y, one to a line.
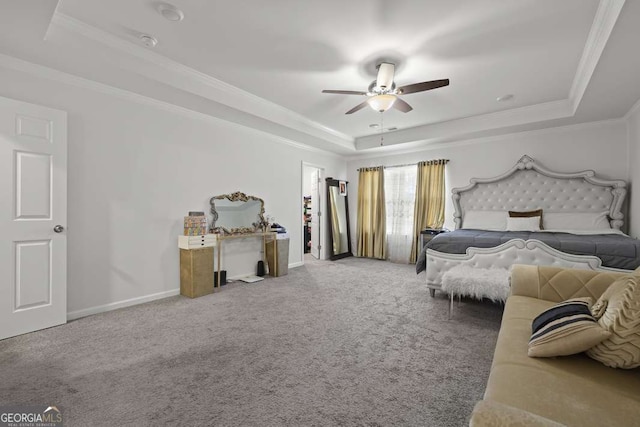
430	199
371	226
400	195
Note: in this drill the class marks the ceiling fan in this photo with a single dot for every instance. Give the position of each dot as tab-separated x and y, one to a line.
382	92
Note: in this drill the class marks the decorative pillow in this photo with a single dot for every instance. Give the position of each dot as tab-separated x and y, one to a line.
619	311
576	221
485	220
523	224
527	214
566	328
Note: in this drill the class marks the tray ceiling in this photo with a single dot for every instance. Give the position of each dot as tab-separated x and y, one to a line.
271	60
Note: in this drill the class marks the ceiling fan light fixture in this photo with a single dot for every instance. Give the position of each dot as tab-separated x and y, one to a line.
381	103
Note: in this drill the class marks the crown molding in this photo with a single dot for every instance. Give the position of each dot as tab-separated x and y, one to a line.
16	64
486	139
499	119
634	109
186	78
603	23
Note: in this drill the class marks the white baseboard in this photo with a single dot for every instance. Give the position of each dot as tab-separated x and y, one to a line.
72	315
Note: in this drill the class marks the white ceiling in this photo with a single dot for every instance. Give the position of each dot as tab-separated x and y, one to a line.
263	64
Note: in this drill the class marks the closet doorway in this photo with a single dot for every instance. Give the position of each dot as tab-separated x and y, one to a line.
312	186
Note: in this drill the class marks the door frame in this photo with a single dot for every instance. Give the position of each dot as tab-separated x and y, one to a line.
321	190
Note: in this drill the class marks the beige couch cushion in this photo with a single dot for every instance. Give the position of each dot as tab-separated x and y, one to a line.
619	308
573	390
494	414
559	284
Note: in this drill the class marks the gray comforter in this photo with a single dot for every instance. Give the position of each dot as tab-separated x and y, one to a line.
617	251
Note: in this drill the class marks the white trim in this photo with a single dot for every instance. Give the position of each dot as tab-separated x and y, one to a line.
222	92
632	110
627	117
42	71
496	120
296	264
629	160
485	139
72	315
323	205
603	23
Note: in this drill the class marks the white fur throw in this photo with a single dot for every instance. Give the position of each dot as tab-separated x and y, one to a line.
478	283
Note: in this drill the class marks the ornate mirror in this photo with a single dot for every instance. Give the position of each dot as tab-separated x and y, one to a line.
338	215
237	213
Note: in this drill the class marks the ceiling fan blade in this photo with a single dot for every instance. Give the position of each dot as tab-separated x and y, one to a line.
385	75
402	106
345	92
358	107
420	87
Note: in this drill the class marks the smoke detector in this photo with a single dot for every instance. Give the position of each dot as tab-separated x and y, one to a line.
148	40
170	12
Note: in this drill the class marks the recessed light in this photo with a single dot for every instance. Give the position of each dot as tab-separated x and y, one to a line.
148	40
170	12
505	98
374	125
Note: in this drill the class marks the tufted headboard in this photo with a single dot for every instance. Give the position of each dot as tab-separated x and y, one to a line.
529	186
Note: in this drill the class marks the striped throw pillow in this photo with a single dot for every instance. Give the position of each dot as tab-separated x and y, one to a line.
566	328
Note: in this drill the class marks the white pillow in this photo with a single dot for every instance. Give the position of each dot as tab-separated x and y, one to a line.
486	220
576	221
531	223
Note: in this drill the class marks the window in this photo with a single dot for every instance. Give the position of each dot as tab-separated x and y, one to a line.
400	193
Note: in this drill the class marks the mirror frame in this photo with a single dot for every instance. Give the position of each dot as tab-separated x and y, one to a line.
336	183
237	197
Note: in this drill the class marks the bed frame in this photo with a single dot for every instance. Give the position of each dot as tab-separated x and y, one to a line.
529	186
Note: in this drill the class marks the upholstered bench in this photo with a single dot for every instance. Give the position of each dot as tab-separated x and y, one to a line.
478	283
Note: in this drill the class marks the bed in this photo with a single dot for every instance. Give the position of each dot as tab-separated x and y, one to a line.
580	223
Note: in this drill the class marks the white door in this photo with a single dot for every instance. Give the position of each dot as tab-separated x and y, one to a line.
315	213
33	196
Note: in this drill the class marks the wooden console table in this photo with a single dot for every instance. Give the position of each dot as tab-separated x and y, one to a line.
266	236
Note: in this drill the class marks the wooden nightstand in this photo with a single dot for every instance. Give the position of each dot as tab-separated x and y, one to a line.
196	272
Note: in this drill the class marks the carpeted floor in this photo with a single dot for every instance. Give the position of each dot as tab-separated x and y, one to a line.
351	342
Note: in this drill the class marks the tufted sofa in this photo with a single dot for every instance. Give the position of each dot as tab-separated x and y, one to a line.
572	390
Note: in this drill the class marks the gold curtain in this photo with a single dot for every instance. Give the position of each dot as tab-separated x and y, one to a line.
429	207
372	219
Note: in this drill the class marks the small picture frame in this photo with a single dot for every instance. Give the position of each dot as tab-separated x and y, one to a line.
342	188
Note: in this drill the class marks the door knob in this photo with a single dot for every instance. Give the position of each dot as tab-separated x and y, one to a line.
58	228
